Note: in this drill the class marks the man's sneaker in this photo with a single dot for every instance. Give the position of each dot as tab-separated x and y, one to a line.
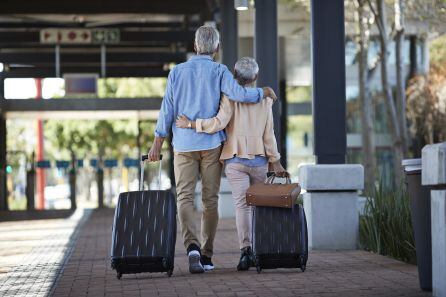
194	262
207	263
245	259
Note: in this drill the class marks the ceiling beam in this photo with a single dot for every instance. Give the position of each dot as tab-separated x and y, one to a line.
139	46
82	109
136	24
34	72
86	57
102	6
109	104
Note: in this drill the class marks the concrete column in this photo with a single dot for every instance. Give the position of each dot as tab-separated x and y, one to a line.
328	59
229	33
434	174
266	54
330	204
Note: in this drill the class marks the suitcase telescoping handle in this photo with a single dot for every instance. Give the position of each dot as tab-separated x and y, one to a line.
141	178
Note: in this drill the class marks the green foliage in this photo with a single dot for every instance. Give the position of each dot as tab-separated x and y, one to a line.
386	227
299	94
426	98
16	204
437	50
106	138
131	87
298	125
88	139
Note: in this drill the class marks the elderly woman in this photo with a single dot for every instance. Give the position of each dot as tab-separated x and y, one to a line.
249	147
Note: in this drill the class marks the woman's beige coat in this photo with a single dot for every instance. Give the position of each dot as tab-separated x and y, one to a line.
249	129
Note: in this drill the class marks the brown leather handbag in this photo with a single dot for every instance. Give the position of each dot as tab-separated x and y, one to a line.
274	195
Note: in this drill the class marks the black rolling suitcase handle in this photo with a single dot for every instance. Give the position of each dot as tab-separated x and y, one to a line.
141	178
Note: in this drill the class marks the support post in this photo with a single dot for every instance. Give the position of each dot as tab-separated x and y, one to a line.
229	33
72	181
328	60
413	66
57	60
31	184
100	183
433	174
29	189
266	54
283	123
40	153
103	61
3	189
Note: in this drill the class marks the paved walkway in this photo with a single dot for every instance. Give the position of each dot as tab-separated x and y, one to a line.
33	253
350	273
70	257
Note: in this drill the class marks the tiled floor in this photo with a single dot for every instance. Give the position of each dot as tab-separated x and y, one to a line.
331	273
33	252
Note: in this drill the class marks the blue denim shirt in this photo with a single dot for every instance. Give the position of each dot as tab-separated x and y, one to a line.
194	89
256	162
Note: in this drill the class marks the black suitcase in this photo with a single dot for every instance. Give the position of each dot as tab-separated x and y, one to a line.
280	238
144	230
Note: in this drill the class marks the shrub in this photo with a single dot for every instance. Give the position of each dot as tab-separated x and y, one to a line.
386	226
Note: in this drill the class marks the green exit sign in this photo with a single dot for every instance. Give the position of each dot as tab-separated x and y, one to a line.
105	35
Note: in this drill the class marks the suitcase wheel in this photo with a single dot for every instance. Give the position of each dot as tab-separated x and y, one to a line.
302	263
257	264
169	272
119	275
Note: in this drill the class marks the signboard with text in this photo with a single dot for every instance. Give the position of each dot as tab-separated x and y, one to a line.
79	36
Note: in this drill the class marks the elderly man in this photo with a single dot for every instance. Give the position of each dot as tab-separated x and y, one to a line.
193	89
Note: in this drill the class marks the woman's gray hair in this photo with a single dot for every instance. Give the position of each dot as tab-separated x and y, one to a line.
246	68
207	39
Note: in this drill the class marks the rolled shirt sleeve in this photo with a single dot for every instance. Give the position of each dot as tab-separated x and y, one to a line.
231	88
220	121
166	114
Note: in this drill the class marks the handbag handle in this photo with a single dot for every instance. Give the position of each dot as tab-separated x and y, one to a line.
271	178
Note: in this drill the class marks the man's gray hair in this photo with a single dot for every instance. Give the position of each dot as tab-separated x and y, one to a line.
247	68
207	39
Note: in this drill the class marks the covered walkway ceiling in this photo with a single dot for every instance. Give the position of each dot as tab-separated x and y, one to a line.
104	6
147	36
